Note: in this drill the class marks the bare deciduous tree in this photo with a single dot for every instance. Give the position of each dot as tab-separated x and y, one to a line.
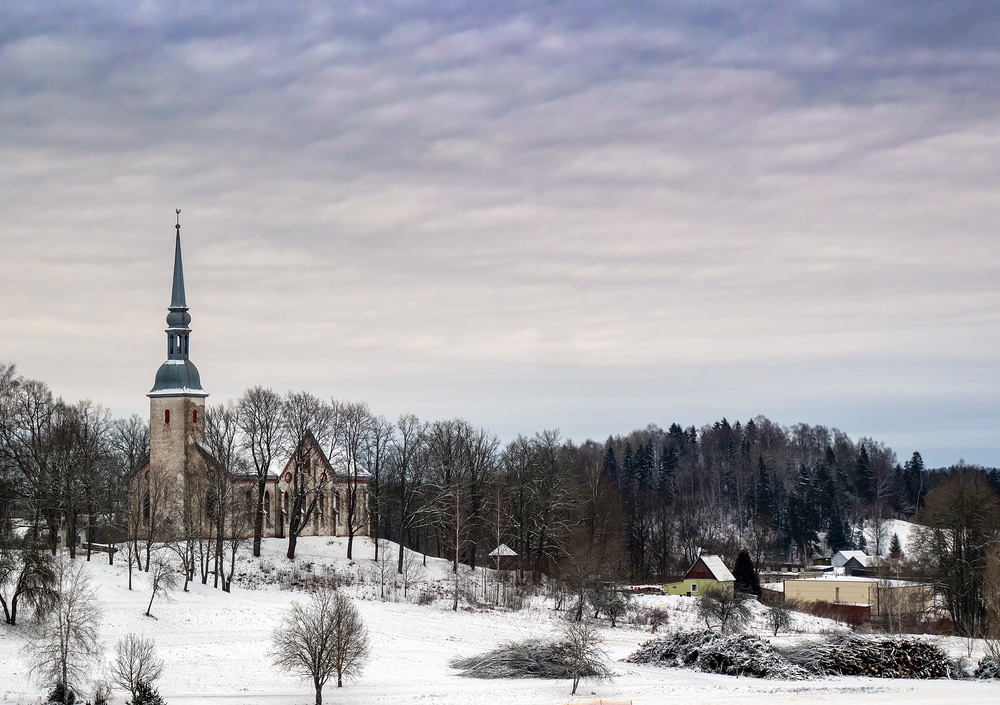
27	575
581	643
135	662
163	578
728	609
352	427
260	420
66	644
960	520
303	415
322	638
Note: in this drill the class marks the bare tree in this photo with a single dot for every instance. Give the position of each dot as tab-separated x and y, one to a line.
384	568
353	424
581	643
66	644
412	570
261	421
408	474
27	574
231	510
959	521
303	416
322	638
163	578
727	608
778	617
376	456
135	662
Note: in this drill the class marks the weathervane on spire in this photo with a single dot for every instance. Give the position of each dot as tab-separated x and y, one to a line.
178	226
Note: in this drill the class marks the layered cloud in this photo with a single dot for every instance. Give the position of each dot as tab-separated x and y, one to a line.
589	216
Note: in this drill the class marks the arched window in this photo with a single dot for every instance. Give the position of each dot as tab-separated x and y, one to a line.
166	416
211	500
194	416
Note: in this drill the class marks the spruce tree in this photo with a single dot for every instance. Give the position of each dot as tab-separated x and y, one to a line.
746	575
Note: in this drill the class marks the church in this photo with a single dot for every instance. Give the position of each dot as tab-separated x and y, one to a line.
180	464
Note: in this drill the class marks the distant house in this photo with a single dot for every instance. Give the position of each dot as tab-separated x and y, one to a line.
856	563
707	571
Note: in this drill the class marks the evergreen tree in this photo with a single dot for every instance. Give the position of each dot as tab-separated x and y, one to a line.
747	580
895	548
864	478
765	493
611	462
838	536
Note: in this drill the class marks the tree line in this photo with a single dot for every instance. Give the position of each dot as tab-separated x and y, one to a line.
637	507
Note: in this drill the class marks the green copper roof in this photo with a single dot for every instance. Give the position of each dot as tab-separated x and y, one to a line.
178	376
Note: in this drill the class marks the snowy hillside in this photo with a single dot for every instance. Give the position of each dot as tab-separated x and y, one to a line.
216	646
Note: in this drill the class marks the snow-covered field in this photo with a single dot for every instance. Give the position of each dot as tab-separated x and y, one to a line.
216	648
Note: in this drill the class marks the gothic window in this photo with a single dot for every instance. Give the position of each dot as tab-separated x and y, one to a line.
166	416
194	416
211	500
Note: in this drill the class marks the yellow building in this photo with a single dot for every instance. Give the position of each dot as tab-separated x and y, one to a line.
879	595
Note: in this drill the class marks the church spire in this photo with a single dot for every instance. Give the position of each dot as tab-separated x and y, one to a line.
177	293
178	375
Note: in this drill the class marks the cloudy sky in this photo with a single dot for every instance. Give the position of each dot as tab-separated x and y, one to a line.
588	216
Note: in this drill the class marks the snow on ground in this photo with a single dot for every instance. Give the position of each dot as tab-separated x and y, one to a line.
216	647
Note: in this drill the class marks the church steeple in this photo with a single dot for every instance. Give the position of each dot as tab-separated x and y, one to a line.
177	299
178	376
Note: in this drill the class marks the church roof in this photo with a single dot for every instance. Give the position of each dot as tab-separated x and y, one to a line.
177	376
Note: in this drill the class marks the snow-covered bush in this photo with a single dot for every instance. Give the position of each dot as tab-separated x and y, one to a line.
988	668
534	658
646	616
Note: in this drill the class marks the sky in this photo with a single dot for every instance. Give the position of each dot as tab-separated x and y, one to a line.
574	215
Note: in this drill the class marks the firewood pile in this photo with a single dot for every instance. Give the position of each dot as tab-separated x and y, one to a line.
737	655
847	655
892	657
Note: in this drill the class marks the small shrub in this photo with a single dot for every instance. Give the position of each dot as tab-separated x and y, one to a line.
102	692
62	695
988	669
652	617
426	597
146	695
778	617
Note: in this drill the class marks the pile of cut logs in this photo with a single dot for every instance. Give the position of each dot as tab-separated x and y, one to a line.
894	657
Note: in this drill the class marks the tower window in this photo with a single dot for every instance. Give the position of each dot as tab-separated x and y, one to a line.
166	416
194	416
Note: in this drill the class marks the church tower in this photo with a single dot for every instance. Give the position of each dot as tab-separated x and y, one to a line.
176	401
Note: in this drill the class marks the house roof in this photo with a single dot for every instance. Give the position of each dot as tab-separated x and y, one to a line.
502	550
709	567
718	568
840	558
